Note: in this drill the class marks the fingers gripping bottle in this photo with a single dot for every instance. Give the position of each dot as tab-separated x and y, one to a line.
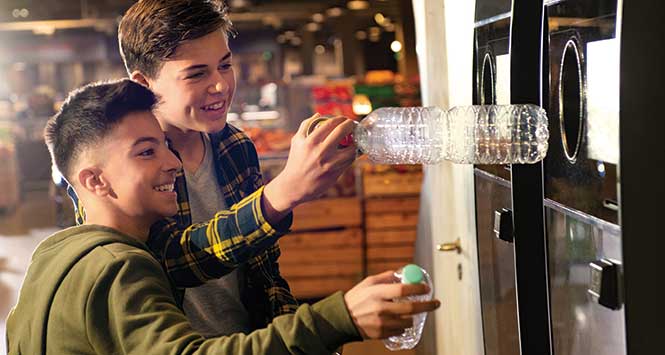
489	134
411	274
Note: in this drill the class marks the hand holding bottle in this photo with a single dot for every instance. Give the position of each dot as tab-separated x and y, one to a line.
373	309
314	165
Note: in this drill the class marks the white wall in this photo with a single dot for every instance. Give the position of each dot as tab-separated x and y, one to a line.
444	43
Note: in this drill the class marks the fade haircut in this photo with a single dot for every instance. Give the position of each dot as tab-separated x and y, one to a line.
151	30
88	115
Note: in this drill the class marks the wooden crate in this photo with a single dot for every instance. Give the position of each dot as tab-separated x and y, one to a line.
392	183
318	263
327	213
390	224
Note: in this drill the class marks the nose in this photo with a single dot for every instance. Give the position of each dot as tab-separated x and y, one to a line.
218	85
171	163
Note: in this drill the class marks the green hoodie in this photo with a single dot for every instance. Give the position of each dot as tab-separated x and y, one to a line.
92	290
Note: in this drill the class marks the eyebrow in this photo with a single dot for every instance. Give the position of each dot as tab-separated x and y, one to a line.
144	140
203	66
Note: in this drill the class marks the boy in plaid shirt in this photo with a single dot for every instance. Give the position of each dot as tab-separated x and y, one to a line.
227	223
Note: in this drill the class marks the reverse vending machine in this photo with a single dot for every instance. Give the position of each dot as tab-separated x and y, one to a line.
567	247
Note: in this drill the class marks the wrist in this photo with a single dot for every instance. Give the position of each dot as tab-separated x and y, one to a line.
278	196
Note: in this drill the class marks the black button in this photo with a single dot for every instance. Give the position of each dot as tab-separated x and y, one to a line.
604	284
503	224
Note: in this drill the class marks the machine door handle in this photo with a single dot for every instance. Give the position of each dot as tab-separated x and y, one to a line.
454	246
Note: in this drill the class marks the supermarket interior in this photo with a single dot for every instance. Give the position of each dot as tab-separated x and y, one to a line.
538	258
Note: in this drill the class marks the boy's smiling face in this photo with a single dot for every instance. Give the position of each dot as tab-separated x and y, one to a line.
196	85
139	168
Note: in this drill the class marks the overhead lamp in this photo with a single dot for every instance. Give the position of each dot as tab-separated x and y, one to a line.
319	49
43	30
238	3
361	35
361	105
374	31
16	13
334	11
296	41
358	5
281	39
318	17
389	27
312	27
396	46
379	18
289	34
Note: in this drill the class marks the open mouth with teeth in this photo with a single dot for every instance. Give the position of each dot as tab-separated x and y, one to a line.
164	188
214	107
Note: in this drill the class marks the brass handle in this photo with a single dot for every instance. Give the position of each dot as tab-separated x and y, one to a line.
454	246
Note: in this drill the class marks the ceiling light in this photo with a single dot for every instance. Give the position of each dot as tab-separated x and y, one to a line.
281	39
361	104
373	31
296	41
361	35
379	18
318	17
334	11
389	27
358	5
289	34
396	46
238	3
319	49
312	27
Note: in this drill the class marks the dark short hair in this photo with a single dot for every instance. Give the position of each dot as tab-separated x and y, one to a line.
89	114
151	30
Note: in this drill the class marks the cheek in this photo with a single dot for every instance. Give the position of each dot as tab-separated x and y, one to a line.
232	82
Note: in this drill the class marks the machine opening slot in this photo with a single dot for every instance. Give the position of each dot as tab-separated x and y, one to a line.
571	100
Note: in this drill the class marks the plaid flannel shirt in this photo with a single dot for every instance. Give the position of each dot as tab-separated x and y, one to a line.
194	254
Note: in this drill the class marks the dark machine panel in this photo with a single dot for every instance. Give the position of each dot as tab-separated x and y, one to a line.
581	194
580	247
581	164
497	265
496	255
491	81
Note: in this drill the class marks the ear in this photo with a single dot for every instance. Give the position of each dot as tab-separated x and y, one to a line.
91	179
138	77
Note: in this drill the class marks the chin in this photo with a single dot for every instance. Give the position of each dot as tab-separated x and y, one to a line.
214	126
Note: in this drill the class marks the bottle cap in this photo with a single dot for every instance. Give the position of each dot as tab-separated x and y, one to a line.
412	274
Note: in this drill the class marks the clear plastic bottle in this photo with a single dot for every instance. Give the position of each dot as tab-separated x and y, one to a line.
488	134
412	274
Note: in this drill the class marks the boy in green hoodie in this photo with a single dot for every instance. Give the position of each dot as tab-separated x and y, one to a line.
97	289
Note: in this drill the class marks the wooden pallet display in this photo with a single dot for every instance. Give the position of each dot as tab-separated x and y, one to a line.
324	253
391	203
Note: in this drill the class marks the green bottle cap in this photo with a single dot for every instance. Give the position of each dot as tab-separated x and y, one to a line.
412	274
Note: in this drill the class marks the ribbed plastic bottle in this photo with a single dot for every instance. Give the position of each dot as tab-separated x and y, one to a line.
488	134
411	274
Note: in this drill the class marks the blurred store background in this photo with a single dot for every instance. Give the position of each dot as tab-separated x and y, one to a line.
292	58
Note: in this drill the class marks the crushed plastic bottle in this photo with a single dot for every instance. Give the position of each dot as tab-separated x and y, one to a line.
487	134
411	274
